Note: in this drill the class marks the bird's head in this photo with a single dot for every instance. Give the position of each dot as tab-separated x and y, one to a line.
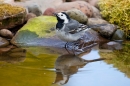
62	17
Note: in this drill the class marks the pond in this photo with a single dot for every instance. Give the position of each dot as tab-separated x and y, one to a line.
35	66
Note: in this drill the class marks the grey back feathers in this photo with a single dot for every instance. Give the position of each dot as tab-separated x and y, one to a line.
74	26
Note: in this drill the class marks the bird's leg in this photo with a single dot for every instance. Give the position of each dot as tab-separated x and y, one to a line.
66	45
82	45
81	42
73	49
78	44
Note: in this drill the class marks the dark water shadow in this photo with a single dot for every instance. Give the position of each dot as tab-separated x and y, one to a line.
13	55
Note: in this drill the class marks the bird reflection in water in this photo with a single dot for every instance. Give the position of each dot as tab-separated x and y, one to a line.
68	64
13	55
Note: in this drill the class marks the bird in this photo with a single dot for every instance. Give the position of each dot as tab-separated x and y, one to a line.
68	29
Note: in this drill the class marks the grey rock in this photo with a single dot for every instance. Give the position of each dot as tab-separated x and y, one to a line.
95	21
34	8
118	35
105	30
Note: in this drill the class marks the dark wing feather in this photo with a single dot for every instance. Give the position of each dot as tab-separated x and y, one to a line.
81	27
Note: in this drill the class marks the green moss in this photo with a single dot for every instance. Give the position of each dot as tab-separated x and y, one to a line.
117	12
40	25
35	30
9	10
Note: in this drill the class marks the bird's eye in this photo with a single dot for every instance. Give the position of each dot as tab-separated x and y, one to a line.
61	15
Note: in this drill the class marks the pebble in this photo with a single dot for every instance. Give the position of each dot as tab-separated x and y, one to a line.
3	42
6	33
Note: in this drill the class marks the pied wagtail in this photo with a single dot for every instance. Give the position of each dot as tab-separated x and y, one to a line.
70	30
67	29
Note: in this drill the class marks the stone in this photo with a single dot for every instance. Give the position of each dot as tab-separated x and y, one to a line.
29	16
49	11
39	31
118	35
8	1
3	42
96	21
96	13
77	15
91	2
36	31
35	9
43	4
105	30
112	45
6	33
12	18
83	6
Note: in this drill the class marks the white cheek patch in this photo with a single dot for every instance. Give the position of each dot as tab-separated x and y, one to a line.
63	17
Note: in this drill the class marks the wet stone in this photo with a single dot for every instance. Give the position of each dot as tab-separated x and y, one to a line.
3	42
118	35
111	45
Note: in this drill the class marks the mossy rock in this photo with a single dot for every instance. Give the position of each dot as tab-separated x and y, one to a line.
117	12
36	29
10	16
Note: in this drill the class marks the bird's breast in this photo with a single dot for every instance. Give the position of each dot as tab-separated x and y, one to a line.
67	37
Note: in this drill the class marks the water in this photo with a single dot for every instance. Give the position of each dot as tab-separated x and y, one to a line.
37	68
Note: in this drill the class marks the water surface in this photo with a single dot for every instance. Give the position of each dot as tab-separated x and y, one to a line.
37	68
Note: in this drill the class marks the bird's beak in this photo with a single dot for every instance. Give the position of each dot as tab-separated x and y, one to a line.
55	14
